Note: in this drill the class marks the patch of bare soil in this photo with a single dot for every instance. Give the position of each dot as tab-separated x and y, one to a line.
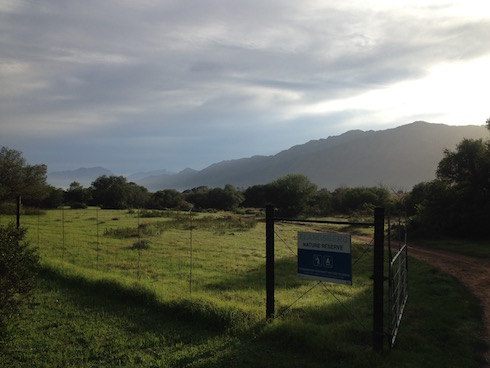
473	273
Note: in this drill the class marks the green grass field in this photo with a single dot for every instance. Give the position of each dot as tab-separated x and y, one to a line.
188	290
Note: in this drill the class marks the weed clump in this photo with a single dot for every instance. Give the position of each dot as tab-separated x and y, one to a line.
141	244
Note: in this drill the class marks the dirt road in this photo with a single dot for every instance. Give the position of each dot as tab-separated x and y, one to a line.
474	273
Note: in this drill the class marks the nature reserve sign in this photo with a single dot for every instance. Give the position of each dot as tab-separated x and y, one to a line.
325	257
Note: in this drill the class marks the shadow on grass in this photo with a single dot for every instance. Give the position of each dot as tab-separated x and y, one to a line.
286	274
93	293
195	334
254	279
198	332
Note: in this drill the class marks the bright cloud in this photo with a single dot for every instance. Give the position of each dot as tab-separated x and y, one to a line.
458	85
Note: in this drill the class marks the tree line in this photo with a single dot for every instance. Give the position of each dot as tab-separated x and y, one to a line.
456	203
292	195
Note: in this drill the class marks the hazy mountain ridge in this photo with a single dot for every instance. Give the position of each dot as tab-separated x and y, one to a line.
142	175
396	158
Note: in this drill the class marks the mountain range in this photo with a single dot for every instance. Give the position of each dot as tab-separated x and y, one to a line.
396	158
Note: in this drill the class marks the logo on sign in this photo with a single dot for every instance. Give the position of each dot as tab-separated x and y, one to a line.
317	260
328	261
322	261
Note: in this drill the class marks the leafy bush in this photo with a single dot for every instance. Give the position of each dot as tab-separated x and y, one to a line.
32	211
8	208
152	213
77	205
18	267
121	233
141	244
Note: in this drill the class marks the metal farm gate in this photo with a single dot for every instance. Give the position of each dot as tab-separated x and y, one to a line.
397	272
397	276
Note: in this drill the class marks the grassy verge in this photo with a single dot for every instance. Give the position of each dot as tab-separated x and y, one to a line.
472	248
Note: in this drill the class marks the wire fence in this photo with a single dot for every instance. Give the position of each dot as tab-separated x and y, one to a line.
180	253
211	256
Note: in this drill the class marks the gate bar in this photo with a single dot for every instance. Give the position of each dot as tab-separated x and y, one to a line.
366	224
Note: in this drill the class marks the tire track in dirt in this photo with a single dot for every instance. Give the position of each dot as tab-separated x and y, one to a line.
473	273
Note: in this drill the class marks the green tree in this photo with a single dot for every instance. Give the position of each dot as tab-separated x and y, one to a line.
54	198
167	198
338	196
457	203
322	203
255	196
198	197
468	167
347	200
227	198
110	192
18	266
467	171
138	196
19	178
77	196
434	206
291	194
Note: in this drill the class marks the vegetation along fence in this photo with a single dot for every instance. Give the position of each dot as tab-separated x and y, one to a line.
172	253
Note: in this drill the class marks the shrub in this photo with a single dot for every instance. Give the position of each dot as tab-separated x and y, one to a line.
32	211
151	213
8	208
18	267
77	205
141	244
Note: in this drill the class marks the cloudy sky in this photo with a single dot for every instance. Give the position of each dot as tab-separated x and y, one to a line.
140	85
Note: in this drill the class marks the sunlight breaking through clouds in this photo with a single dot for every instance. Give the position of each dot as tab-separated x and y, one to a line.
445	85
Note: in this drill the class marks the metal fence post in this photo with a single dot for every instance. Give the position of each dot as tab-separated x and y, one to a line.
269	261
378	278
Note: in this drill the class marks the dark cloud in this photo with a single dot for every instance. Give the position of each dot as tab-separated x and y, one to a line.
143	85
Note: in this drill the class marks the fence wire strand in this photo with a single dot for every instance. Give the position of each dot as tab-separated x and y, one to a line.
285	243
364	252
297	300
344	306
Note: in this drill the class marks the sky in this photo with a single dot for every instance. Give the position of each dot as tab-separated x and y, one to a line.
142	85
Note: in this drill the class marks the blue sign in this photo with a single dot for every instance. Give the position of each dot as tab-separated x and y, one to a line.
325	257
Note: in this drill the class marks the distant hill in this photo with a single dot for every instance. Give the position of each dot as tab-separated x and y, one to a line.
141	175
85	176
397	158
